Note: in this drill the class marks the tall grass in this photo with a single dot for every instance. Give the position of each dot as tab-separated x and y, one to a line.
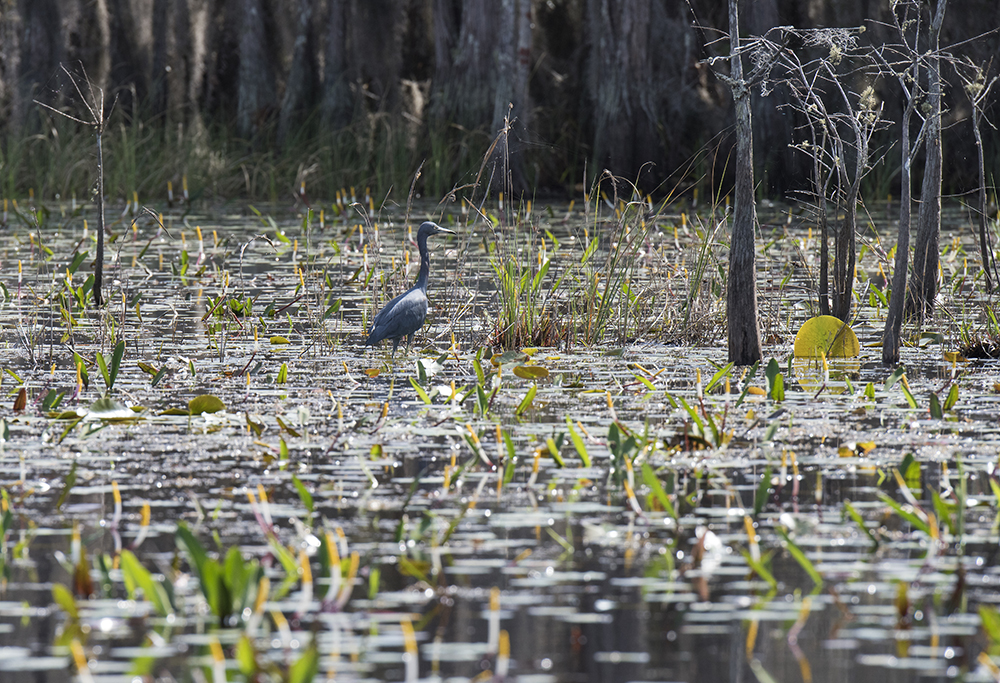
54	157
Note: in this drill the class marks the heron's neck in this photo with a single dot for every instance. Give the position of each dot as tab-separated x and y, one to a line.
425	264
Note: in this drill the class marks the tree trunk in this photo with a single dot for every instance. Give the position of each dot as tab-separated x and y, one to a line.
300	89
741	294
985	246
337	107
11	97
510	104
923	286
41	52
620	85
256	96
465	85
894	318
845	257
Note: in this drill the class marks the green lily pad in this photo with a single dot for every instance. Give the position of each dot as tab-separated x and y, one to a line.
206	403
531	372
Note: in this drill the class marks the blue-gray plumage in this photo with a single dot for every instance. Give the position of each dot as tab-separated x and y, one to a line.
405	314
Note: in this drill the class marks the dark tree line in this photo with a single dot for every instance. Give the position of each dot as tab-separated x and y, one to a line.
612	84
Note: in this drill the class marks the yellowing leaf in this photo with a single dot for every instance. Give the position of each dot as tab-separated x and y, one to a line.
373	372
954	357
531	372
206	403
827	336
866	447
751	415
279	340
756	391
846	452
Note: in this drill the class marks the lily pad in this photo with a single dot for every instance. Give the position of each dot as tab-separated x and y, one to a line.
531	372
206	403
827	336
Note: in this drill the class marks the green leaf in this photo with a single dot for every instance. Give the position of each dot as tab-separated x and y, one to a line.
952	397
801	558
140	576
526	401
990	619
896	375
68	483
246	657
910	517
870	391
778	390
334	307
554	452
304	494
305	667
578	444
102	364
531	372
935	407
206	403
116	362
282	374
909	397
719	376
759	569
653	482
860	521
645	382
64	598
944	510
420	391
509	465
277	340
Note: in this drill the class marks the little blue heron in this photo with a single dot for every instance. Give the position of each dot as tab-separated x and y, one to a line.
405	314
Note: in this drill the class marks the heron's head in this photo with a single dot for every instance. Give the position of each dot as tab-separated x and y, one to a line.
429	228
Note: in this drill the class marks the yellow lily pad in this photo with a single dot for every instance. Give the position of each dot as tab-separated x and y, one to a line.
827	336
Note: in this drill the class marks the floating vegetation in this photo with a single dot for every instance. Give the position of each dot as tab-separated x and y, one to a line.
249	494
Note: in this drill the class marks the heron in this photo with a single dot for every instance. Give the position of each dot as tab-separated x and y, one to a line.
405	314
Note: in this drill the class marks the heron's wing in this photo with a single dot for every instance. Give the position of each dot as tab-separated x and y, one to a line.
402	316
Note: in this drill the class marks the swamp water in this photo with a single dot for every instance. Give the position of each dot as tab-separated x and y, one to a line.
347	517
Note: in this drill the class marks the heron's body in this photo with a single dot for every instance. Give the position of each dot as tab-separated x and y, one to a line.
405	314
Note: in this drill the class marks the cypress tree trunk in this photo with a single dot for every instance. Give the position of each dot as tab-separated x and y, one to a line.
741	294
256	96
300	89
923	286
894	317
620	85
337	106
465	84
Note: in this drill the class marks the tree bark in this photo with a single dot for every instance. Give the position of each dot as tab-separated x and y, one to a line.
41	52
300	88
985	245
923	286
337	106
465	85
620	85
741	290
894	317
256	96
